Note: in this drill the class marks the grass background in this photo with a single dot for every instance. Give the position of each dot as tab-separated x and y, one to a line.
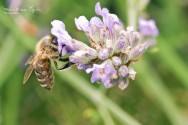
158	95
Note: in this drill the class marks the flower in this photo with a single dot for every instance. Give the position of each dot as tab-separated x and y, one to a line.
148	28
110	20
83	56
102	72
64	39
113	48
116	61
66	44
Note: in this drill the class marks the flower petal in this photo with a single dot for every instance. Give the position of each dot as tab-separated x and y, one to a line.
83	56
132	73
103	54
123	71
116	61
82	23
148	27
123	83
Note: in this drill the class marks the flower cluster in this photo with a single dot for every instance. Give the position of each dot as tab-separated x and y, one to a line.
112	48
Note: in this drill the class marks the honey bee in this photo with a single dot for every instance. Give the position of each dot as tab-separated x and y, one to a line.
40	61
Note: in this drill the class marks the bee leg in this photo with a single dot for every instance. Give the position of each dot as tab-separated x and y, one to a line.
54	57
60	54
60	59
64	59
55	63
67	65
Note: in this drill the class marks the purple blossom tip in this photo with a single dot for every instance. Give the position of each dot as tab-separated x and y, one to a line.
116	61
63	38
100	11
103	54
123	71
83	56
57	23
82	23
148	28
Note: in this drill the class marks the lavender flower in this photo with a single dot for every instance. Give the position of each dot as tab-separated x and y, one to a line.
112	48
64	39
148	28
102	73
66	44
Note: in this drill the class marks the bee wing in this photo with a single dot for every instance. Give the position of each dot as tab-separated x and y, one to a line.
30	61
28	73
31	58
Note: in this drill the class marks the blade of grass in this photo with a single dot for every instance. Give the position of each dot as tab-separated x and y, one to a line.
155	89
11	105
106	116
11	53
1	108
173	62
132	12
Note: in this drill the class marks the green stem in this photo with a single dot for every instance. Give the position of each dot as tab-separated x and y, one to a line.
132	13
106	116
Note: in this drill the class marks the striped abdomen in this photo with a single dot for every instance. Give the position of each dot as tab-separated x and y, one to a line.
44	73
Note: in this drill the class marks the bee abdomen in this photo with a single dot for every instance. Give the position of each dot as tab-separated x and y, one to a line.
44	74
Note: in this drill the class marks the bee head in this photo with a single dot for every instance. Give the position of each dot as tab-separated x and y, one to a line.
54	40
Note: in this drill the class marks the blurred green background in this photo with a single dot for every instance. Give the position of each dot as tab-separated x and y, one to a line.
158	95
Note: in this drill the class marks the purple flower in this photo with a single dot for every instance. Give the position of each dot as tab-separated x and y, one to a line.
82	66
116	61
83	56
102	72
120	44
112	49
65	42
92	29
138	51
148	28
103	54
110	20
123	71
82	23
63	38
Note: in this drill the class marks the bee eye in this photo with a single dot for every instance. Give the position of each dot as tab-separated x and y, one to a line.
54	40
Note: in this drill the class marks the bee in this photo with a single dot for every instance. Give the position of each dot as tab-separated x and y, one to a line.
40	61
